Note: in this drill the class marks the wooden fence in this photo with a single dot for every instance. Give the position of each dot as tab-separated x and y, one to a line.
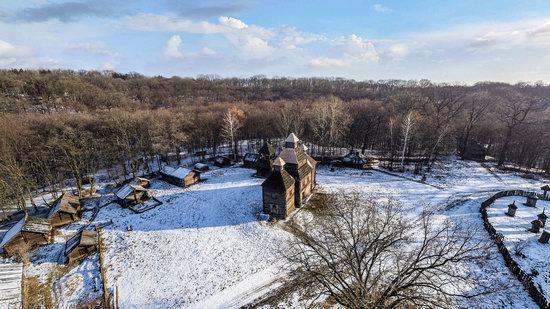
525	279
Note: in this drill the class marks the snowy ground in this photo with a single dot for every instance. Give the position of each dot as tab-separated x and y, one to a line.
202	241
207	246
535	257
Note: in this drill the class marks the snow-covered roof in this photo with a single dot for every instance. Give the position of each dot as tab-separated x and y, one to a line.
127	189
200	165
292	138
10	285
289	156
279	162
12	232
26	224
179	172
36	225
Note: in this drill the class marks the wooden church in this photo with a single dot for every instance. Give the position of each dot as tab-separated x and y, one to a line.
291	182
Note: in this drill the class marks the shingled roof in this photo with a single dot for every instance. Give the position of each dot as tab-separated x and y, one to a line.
26	224
128	189
65	204
279	180
84	238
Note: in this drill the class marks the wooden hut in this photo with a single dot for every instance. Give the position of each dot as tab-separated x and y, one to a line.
264	164
542	217
140	181
27	233
354	159
11	277
512	209
180	176
544	237
250	159
536	225
129	195
531	201
201	167
545	188
222	161
64	210
81	245
278	192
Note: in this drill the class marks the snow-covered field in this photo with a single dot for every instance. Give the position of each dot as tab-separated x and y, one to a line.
200	242
207	246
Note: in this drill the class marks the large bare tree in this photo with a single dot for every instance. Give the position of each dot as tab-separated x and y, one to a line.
361	253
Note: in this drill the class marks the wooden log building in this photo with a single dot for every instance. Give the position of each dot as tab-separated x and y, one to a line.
301	167
278	192
222	161
129	195
65	210
26	234
81	245
180	176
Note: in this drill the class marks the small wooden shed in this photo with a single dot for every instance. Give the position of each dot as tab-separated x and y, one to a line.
250	159
130	194
180	176
27	233
354	159
531	201
65	210
81	245
140	181
222	161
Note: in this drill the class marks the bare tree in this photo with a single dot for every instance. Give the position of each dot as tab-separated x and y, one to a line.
514	109
475	108
408	122
233	120
367	254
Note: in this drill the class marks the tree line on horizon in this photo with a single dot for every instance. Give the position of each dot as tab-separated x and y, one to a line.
56	125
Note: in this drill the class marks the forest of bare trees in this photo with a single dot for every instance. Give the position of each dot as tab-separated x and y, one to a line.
59	125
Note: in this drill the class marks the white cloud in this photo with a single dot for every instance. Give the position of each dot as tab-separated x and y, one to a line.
294	39
163	23
232	22
171	48
353	49
397	51
327	62
251	40
95	48
380	8
12	52
207	51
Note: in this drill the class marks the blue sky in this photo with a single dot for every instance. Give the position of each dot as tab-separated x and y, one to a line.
445	41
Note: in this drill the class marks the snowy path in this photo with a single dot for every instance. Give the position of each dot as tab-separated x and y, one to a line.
245	292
